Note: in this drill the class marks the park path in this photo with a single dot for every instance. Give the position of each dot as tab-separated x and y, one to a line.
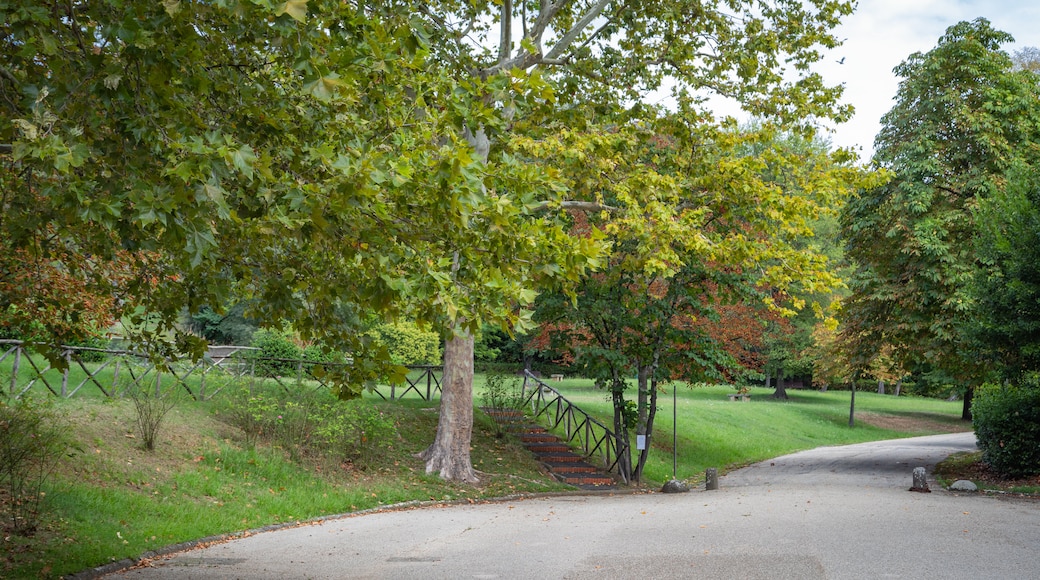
792	517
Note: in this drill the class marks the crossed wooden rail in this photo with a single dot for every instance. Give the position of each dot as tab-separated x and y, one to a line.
574	425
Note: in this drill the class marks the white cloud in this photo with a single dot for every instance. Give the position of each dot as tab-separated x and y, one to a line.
883	33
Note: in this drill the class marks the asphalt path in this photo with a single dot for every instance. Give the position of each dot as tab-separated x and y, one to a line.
837	512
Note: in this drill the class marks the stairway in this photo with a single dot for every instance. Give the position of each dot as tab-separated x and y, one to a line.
553	452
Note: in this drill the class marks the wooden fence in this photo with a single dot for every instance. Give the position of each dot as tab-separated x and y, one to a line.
575	426
109	372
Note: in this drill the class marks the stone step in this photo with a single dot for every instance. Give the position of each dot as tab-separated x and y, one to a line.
538	438
565	457
547	447
574	468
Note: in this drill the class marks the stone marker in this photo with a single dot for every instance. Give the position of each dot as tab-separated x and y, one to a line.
964	485
711	478
675	486
920	481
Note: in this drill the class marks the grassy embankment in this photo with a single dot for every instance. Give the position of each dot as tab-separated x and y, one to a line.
110	499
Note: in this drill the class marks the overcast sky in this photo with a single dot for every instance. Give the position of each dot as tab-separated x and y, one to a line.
882	33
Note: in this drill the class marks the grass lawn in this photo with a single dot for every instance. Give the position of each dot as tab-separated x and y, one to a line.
713	431
110	499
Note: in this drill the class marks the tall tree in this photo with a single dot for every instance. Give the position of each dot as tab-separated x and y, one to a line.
962	116
601	56
1006	322
695	223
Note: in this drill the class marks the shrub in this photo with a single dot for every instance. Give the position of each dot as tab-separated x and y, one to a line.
150	409
312	425
274	344
503	392
408	344
1007	423
32	441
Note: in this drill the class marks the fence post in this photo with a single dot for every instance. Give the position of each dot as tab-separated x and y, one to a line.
14	369
67	355
202	380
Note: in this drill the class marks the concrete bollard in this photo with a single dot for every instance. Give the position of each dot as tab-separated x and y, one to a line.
920	481
711	479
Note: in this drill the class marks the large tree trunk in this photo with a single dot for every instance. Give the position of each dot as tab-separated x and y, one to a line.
646	422
642	424
781	389
449	453
624	451
966	409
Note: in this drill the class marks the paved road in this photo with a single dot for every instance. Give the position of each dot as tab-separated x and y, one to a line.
828	513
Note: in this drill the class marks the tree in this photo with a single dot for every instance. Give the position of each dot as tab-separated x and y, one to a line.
601	56
962	118
1006	293
699	223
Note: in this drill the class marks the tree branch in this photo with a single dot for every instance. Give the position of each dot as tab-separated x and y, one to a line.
582	205
505	42
565	42
6	149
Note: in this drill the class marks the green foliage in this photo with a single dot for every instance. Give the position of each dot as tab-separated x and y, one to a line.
1007	424
279	345
487	346
1006	294
151	405
408	344
963	118
312	426
230	327
502	391
32	442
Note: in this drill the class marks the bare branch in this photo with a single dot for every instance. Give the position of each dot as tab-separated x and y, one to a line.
580	205
565	42
7	75
505	42
6	149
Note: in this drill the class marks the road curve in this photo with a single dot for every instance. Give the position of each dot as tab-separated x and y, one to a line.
792	517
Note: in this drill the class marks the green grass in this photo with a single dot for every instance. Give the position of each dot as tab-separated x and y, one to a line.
716	432
112	500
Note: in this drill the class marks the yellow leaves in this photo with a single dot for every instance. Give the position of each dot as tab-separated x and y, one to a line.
323	87
297	9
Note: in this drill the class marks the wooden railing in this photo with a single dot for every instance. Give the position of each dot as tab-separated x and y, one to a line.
111	371
575	426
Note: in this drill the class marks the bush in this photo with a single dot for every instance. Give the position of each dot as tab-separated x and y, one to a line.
274	344
408	344
32	441
312	426
1007	423
503	392
150	409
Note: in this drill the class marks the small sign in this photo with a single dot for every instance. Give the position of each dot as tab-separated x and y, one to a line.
640	442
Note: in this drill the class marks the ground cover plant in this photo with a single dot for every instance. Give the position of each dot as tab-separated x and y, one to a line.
971	467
